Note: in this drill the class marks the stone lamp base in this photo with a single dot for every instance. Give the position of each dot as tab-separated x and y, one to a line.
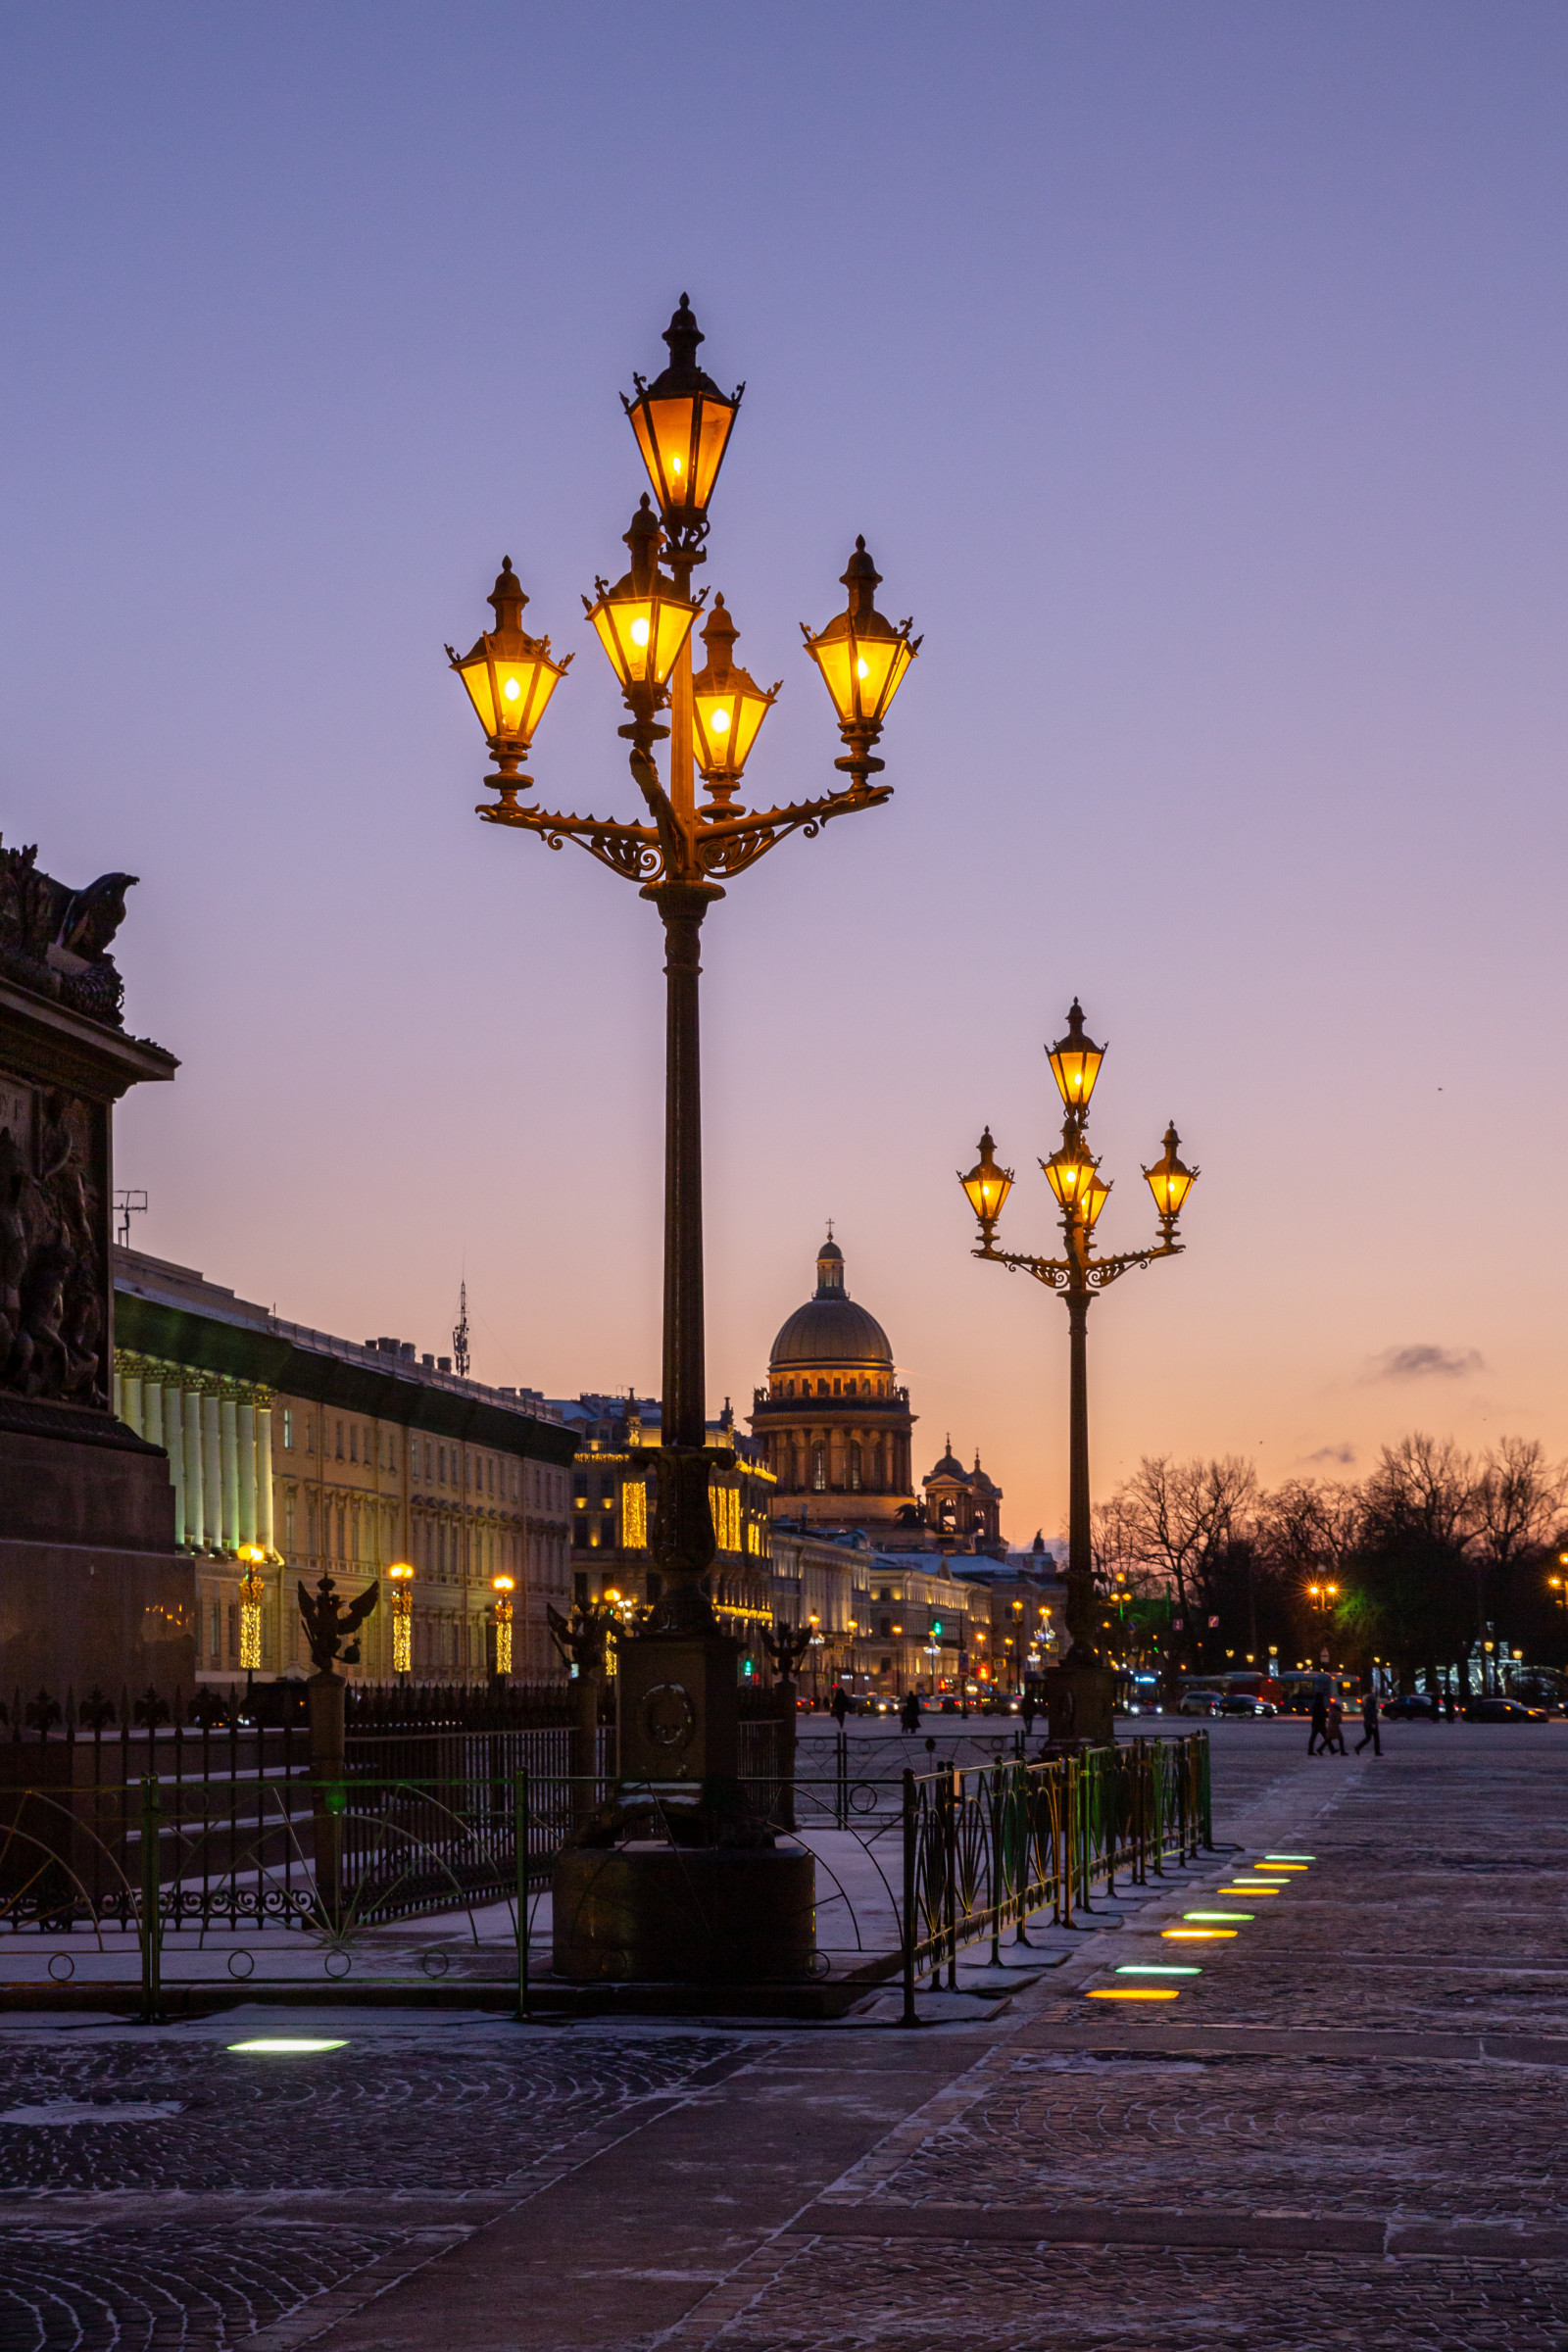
1082	1700
683	1915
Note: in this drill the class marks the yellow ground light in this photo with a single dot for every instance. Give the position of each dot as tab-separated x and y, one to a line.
1133	1992
1197	1934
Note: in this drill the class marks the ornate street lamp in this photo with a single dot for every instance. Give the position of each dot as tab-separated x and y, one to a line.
1082	1688
509	678
400	1576
682	857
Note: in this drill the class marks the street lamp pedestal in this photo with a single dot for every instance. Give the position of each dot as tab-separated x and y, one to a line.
682	1915
1082	1703
677	1711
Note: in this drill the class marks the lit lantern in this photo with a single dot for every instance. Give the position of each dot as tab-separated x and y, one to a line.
1168	1181
508	674
642	622
1075	1061
862	655
987	1185
682	422
504	1587
1091	1199
728	706
1070	1173
401	1576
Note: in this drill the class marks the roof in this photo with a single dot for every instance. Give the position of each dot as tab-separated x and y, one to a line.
830	1329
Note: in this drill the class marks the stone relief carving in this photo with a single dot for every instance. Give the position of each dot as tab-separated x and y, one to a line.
53	1275
55	940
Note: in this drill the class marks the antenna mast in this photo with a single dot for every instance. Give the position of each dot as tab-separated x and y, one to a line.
459	1335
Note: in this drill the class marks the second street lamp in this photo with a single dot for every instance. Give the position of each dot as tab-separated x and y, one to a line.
1082	1688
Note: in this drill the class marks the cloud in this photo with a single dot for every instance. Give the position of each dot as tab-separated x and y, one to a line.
1345	1454
1422	1360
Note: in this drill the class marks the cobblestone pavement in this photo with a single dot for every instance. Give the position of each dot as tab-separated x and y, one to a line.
1344	2130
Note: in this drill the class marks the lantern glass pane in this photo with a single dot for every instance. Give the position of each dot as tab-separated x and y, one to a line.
750	712
624	626
879	666
672	434
672	622
1075	1072
835	657
712	438
648	449
475	675
522	689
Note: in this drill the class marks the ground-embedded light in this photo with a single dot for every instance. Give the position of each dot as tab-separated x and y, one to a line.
1290	1857
291	2048
1152	1968
1133	1992
1197	1934
1217	1914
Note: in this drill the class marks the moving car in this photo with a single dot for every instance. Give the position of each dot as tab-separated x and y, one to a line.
1505	1710
1411	1706
1242	1702
1199	1702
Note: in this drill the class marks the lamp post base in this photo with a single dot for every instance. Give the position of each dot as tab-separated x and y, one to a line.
682	1915
1082	1701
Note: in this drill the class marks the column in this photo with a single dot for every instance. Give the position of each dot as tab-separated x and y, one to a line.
245	1444
171	1436
229	1463
128	1399
212	1471
263	1478
149	1421
195	1482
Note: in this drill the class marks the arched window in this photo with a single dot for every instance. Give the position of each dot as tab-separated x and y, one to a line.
854	1468
818	1470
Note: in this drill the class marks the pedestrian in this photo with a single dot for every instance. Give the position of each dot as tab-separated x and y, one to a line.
1452	1706
1027	1711
1334	1741
911	1712
1369	1721
1320	1721
841	1705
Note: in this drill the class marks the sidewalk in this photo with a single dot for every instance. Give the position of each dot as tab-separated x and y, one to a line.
1346	2130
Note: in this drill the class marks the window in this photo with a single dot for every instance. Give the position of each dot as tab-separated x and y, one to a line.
818	1470
491	1479
878	1472
213	1620
391	1450
854	1468
309	1435
441	1464
354	1443
288	1519
340	1440
288	1429
821	1388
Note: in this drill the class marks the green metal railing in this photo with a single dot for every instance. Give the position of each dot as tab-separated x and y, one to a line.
986	1847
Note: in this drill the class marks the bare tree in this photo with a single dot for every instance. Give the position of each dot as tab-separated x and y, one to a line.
1517	1502
1183	1517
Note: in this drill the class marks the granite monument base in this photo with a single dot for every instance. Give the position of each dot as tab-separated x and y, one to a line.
683	1915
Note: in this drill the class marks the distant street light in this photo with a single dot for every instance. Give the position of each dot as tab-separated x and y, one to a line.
1083	1707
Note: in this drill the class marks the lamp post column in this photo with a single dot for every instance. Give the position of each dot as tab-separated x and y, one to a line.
1080	1549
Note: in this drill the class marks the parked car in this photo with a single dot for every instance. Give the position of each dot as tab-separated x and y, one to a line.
1410	1706
1505	1710
1243	1702
1199	1702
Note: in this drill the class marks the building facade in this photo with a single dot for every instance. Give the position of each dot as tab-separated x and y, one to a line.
615	1494
331	1457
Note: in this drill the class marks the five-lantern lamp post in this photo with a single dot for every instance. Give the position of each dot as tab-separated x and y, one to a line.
503	1586
400	1576
681	853
678	1714
1081	1689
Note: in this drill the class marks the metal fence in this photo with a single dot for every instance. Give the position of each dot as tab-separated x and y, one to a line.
226	1842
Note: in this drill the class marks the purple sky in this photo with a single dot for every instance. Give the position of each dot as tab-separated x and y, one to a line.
1196	376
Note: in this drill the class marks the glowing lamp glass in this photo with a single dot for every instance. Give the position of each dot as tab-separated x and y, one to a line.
1070	1173
1092	1200
1075	1061
683	439
642	635
509	675
987	1185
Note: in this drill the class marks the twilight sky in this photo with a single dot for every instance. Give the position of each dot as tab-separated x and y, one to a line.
1196	376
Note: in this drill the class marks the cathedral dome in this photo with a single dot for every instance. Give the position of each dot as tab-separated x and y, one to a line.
830	1329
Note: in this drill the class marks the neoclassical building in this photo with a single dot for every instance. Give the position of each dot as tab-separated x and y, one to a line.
834	1423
